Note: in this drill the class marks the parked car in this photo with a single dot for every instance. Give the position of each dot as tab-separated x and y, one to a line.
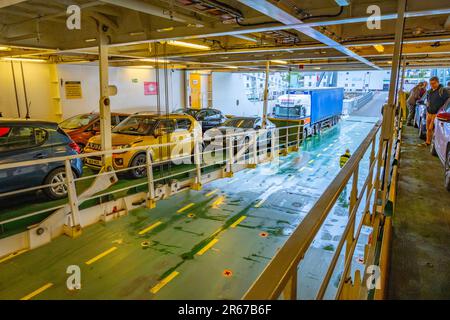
237	125
440	144
27	140
207	117
147	129
420	118
84	126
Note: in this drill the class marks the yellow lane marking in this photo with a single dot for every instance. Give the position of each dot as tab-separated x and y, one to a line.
218	202
207	247
234	225
212	192
185	207
101	255
163	282
149	228
12	255
310	161
38	291
259	204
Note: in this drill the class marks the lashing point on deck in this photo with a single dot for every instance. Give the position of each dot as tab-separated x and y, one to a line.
72	231
196	186
150	203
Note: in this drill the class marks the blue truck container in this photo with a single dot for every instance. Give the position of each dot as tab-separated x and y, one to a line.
316	107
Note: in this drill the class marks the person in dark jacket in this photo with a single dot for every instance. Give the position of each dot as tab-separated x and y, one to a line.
415	95
437	96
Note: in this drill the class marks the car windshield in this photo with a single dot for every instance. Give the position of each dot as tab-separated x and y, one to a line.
78	121
239	123
136	125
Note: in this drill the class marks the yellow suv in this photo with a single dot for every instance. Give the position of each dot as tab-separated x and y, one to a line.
148	129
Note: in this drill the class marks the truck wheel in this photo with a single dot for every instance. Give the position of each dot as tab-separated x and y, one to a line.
59	191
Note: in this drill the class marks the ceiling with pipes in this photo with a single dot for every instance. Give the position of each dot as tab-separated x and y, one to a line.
231	35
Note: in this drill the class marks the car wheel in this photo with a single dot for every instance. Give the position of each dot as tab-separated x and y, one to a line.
432	147
447	171
58	191
140	172
422	134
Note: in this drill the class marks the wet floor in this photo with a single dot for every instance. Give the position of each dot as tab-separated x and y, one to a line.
209	244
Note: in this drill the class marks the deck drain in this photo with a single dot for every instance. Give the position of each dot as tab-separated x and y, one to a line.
263	234
227	273
145	244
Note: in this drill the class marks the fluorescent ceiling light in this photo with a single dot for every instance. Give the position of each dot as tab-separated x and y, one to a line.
232	67
279	61
343	3
90	40
241	36
5	48
187	45
24	59
379	47
165	29
153	60
317	68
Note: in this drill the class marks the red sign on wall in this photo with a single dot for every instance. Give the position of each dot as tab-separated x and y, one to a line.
150	88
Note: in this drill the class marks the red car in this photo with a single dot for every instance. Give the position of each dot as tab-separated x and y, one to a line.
82	127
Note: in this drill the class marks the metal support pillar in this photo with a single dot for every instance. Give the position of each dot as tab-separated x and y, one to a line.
104	104
266	95
151	203
197	160
387	128
230	152
72	229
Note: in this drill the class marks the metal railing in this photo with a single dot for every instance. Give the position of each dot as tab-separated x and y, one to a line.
280	277
261	145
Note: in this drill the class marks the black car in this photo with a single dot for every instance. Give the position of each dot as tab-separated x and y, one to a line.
208	118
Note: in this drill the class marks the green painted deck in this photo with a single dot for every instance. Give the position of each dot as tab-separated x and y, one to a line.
420	256
215	248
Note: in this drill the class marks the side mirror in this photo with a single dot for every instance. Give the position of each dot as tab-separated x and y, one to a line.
158	132
443	116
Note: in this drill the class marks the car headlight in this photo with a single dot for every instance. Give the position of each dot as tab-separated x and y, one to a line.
122	146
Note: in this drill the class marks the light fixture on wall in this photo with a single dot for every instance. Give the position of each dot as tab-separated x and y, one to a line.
24	59
153	60
187	45
279	61
379	47
90	40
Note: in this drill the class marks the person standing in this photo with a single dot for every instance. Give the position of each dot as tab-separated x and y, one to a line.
344	158
437	96
415	95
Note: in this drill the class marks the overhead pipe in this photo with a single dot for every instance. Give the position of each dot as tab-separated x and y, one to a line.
15	88
27	116
151	9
